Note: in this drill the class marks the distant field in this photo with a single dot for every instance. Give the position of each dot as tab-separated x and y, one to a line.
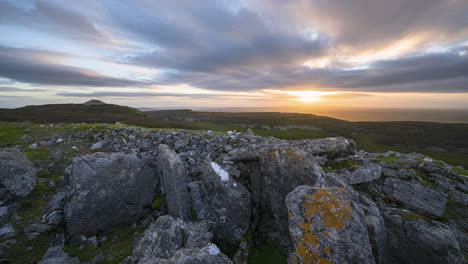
444	141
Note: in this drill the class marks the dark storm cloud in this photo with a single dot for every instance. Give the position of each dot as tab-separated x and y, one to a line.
24	65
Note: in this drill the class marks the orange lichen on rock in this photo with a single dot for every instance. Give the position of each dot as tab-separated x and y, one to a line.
309	238
272	154
334	211
330	205
294	154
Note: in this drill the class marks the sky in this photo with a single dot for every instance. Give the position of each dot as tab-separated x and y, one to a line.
220	53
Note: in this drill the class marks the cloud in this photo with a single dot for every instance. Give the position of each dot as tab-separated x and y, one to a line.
150	94
14	89
30	66
52	18
224	45
428	72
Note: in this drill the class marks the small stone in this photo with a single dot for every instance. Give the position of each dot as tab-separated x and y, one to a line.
6	232
4	215
59	140
33	146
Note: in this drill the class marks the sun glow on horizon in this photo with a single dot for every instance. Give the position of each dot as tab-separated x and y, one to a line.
305	96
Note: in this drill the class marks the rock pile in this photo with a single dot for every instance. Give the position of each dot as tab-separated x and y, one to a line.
209	197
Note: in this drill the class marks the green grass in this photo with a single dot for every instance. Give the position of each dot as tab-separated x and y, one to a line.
31	211
158	202
349	165
460	171
9	133
118	246
266	254
412	217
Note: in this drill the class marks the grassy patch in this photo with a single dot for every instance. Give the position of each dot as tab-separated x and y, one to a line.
29	251
412	217
24	250
460	171
158	202
118	246
40	153
424	178
9	133
266	254
349	165
389	158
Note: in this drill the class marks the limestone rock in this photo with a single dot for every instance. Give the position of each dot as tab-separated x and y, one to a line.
6	232
420	241
415	196
327	226
365	173
106	189
174	182
56	255
283	168
332	147
17	173
221	199
172	241
4	215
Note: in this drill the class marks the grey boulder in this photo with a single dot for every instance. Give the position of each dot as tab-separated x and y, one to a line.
283	168
4	215
332	147
6	232
173	176
170	240
219	198
415	196
327	226
105	189
56	255
17	173
421	242
365	173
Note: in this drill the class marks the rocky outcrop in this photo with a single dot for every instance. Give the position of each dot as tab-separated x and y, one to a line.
17	173
170	240
375	228
327	226
56	255
173	176
366	173
283	168
421	241
415	196
105	189
238	190
333	147
220	198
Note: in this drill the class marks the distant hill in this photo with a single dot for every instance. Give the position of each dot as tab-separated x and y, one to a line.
95	102
90	112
